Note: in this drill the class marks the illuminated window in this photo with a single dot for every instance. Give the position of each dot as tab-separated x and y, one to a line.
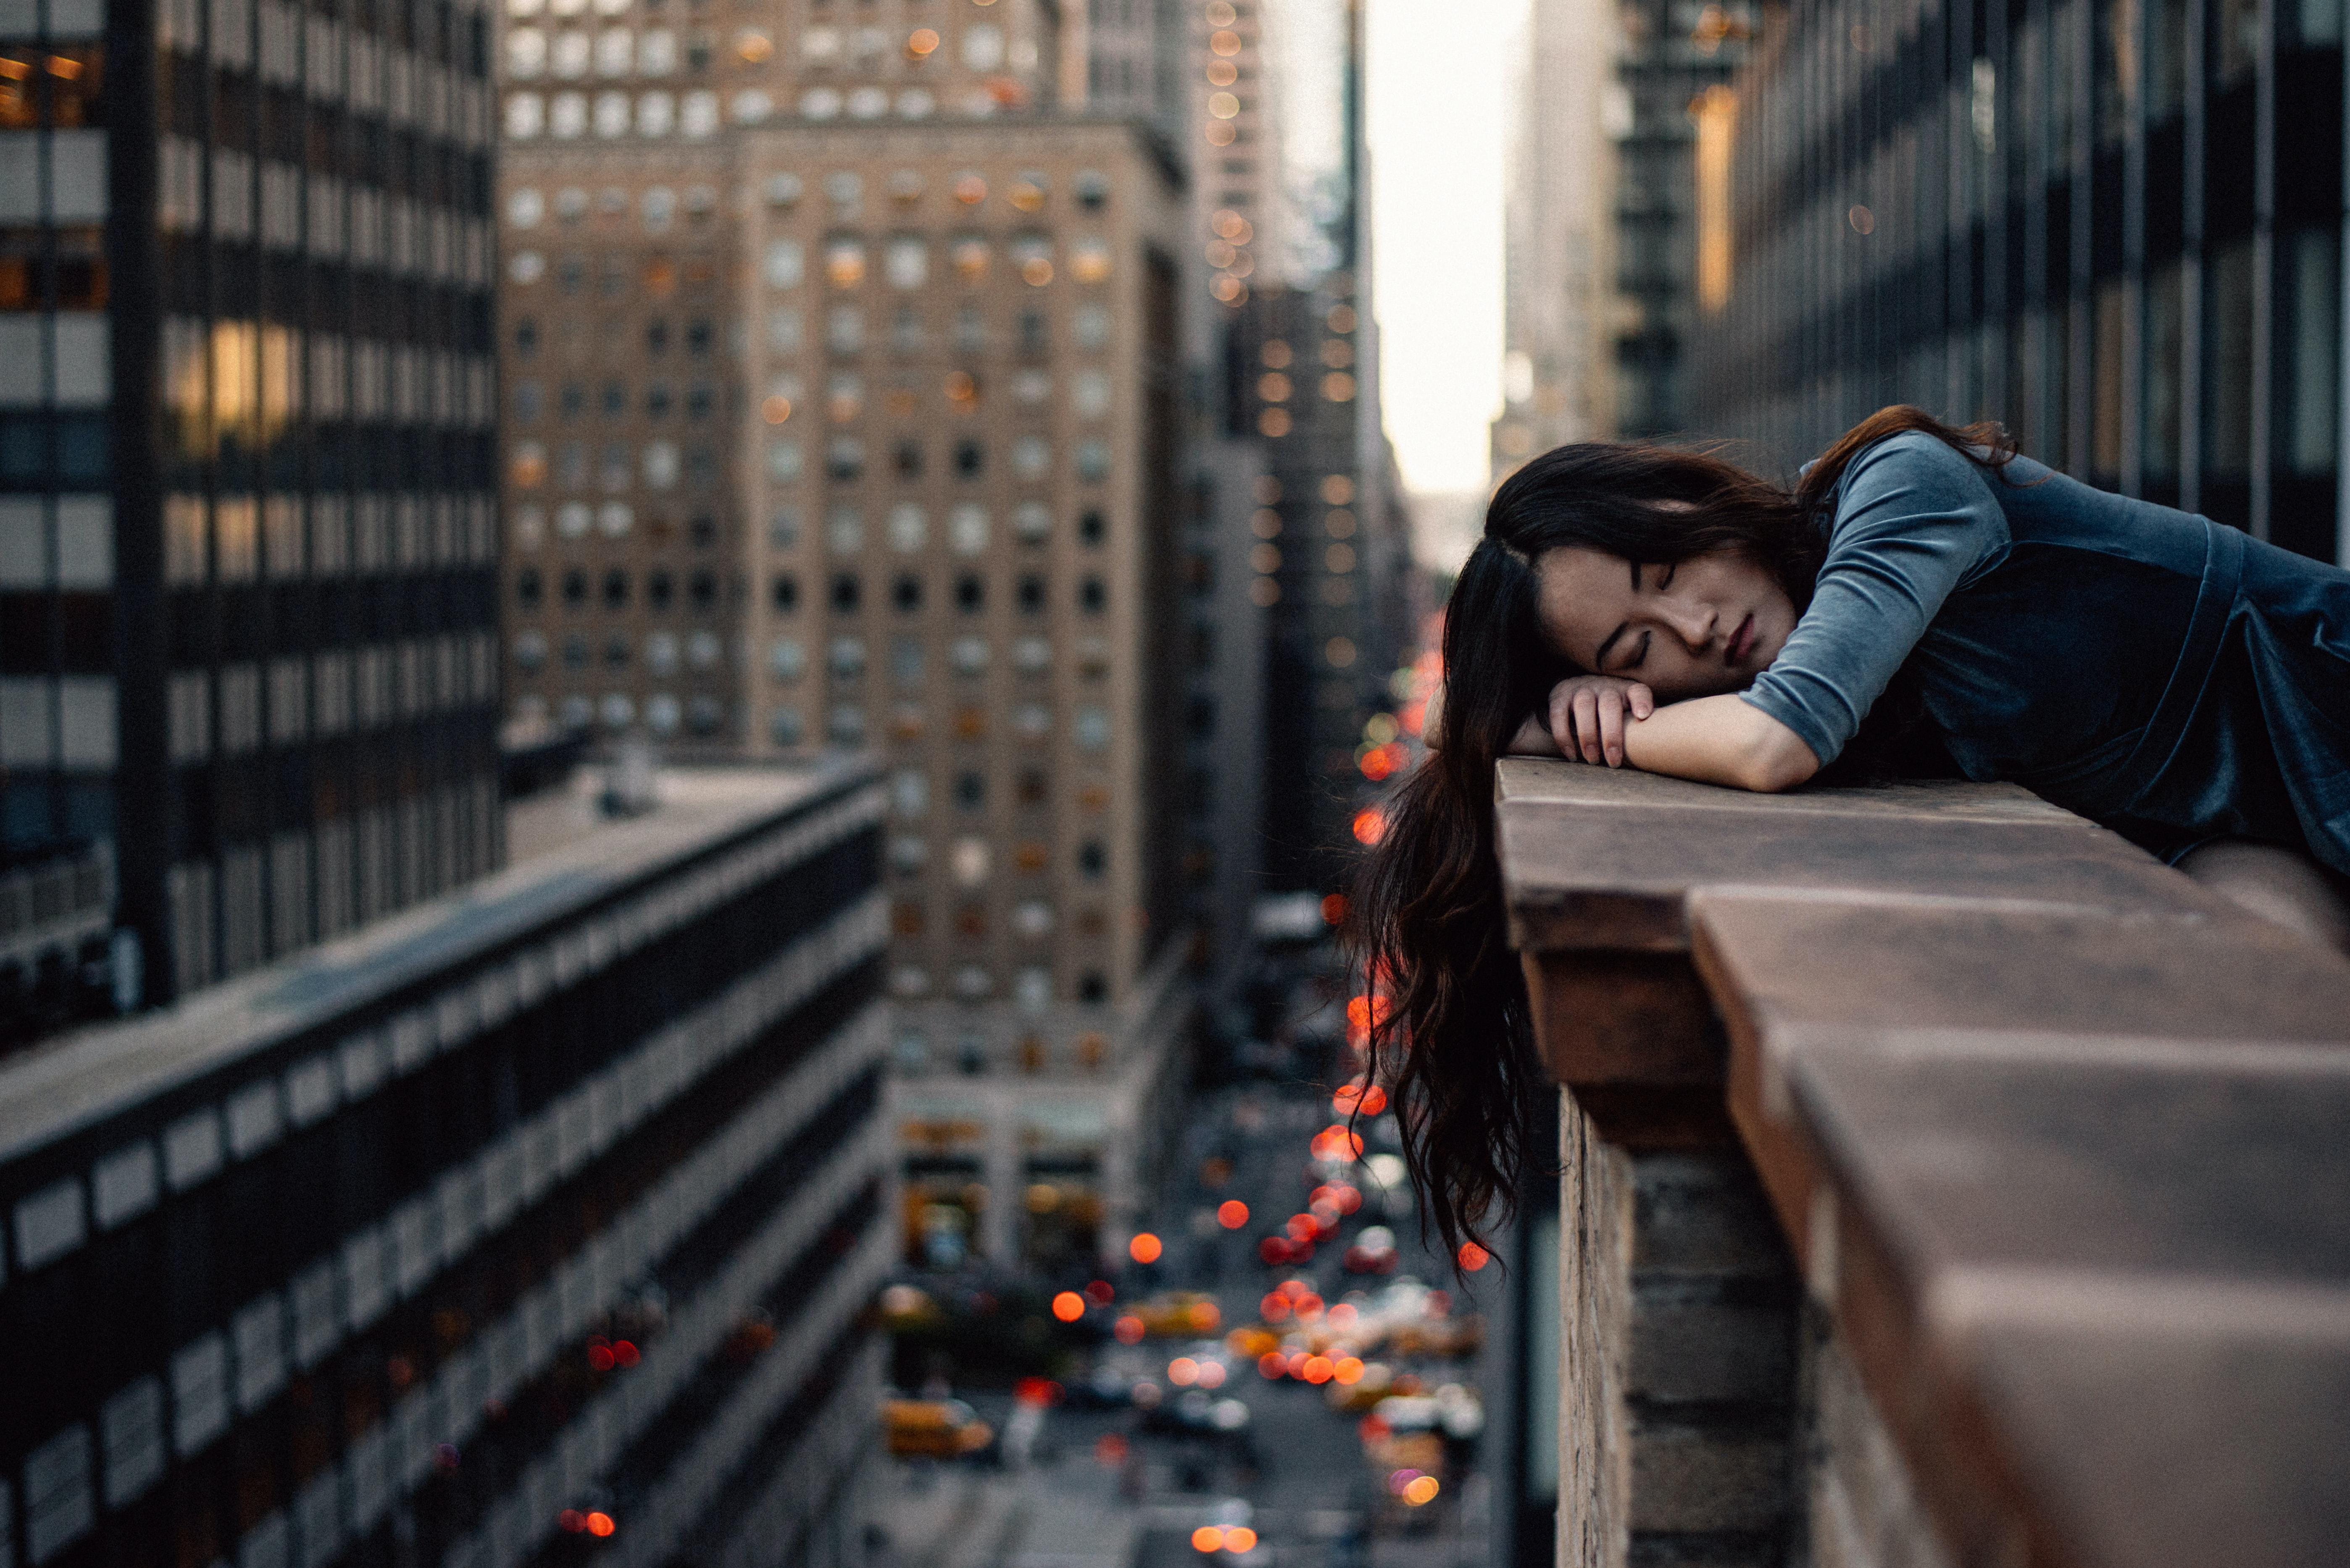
907	262
847	658
969	655
905	663
660	653
909	528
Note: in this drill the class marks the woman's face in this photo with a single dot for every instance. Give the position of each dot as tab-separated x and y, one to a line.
1709	625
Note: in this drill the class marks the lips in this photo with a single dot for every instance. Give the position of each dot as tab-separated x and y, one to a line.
1741	643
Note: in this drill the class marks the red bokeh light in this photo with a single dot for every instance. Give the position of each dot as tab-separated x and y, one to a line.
625	1353
1129	1330
600	1525
1232	1214
599	1357
1068	1306
1370	825
1473	1257
1100	1293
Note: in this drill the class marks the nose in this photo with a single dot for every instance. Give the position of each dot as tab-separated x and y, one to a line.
1692	621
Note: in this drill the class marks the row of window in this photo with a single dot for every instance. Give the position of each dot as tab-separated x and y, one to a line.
658	465
846	459
972	861
846	593
662	713
527	206
846	332
1031	988
849	724
613	519
662	651
907	527
847	260
696	400
611	114
848	658
909	791
614	589
698	337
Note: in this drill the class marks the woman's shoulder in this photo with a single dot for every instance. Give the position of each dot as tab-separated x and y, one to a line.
1912	452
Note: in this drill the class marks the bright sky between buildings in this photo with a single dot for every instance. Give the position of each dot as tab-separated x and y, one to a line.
1436	104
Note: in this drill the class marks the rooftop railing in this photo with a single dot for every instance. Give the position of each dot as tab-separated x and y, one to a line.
1944	1180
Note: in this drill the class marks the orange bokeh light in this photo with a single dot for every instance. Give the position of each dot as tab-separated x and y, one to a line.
1182	1372
1348	1369
600	1525
1272	1363
1145	1247
1318	1369
1473	1257
1239	1538
1232	1214
1128	1329
1207	1538
1420	1490
1334	909
1068	1306
1370	825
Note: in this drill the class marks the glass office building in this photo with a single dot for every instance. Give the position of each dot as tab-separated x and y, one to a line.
2116	226
538	1219
247	532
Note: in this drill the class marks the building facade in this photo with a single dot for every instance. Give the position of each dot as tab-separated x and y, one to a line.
844	398
543	1212
247	540
1559	311
1669	117
2116	228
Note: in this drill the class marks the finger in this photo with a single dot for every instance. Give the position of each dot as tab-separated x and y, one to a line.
1644	701
1562	721
1586	723
1611	727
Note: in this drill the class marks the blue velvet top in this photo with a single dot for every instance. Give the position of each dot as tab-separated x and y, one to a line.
2172	679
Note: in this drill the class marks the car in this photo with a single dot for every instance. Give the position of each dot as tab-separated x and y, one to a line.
934	1429
1374	1252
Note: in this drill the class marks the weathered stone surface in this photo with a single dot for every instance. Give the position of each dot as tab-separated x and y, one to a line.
1623	1018
1690	1478
1555	782
2182	1444
1788	968
1618	879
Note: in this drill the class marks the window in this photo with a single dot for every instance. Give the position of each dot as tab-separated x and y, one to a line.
969	655
1031	520
701	336
1092	188
907	458
527	587
786	263
906	594
656	336
1092	729
905	662
701	589
657	400
1032	655
967	528
970	458
1035	786
1093	460
845	595
787	658
847	657
844	530
909	528
1032	457
907	262
1090	326
844	457
530	653
616	589
910	793
845	329
1091	528
615	651
574	587
971	330
574	654
971	791
1093	595
529	399
660	653
844	262
1031	593
970	593
905	330
1093	859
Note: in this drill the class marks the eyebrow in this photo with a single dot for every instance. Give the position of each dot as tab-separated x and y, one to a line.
1600	660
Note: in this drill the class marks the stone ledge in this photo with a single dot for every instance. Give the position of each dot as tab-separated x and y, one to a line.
2056	1137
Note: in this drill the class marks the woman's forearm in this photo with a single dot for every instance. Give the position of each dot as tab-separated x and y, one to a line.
1720	740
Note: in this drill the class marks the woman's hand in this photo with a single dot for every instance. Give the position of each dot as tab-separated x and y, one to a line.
1588	714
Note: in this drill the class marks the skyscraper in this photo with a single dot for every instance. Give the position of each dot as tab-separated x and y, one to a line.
248	535
845	391
1561	205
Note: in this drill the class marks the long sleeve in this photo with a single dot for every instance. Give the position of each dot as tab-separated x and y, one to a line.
1913	519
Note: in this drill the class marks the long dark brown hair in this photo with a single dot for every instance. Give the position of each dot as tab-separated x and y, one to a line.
1449	1032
